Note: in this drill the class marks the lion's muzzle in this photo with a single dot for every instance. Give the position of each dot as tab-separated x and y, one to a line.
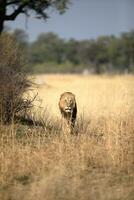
68	109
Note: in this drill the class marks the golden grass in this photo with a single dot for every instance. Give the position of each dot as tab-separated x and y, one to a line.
98	163
95	95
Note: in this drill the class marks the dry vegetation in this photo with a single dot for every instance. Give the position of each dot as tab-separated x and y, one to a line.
97	163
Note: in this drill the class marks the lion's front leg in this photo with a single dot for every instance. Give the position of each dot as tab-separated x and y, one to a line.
66	126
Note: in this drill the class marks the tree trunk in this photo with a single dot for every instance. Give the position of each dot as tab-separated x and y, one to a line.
2	14
1	25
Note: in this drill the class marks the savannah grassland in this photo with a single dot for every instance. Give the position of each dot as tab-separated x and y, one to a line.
97	162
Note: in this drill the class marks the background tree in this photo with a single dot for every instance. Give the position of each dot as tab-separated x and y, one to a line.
47	48
21	37
50	53
38	7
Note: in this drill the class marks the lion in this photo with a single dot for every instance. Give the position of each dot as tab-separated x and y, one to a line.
68	109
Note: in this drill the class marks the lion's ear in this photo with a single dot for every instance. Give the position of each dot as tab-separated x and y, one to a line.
61	96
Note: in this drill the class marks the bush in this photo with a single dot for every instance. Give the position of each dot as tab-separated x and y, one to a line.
11	55
13	82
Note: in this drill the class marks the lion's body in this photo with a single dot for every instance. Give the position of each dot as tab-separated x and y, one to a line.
68	109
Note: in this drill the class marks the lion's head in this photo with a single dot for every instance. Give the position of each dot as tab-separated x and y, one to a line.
67	102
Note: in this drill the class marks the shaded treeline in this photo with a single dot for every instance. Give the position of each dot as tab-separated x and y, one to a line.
50	53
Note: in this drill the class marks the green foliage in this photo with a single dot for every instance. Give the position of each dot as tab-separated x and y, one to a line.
21	37
47	47
52	67
106	54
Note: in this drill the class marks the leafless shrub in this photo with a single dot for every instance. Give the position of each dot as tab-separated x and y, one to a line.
13	82
10	54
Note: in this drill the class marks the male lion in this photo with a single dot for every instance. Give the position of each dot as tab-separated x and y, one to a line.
68	108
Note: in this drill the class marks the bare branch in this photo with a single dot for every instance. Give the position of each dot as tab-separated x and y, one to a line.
12	2
16	12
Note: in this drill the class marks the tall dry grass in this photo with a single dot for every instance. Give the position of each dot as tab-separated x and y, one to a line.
96	163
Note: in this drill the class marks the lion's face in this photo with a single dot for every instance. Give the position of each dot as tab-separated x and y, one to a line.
67	102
